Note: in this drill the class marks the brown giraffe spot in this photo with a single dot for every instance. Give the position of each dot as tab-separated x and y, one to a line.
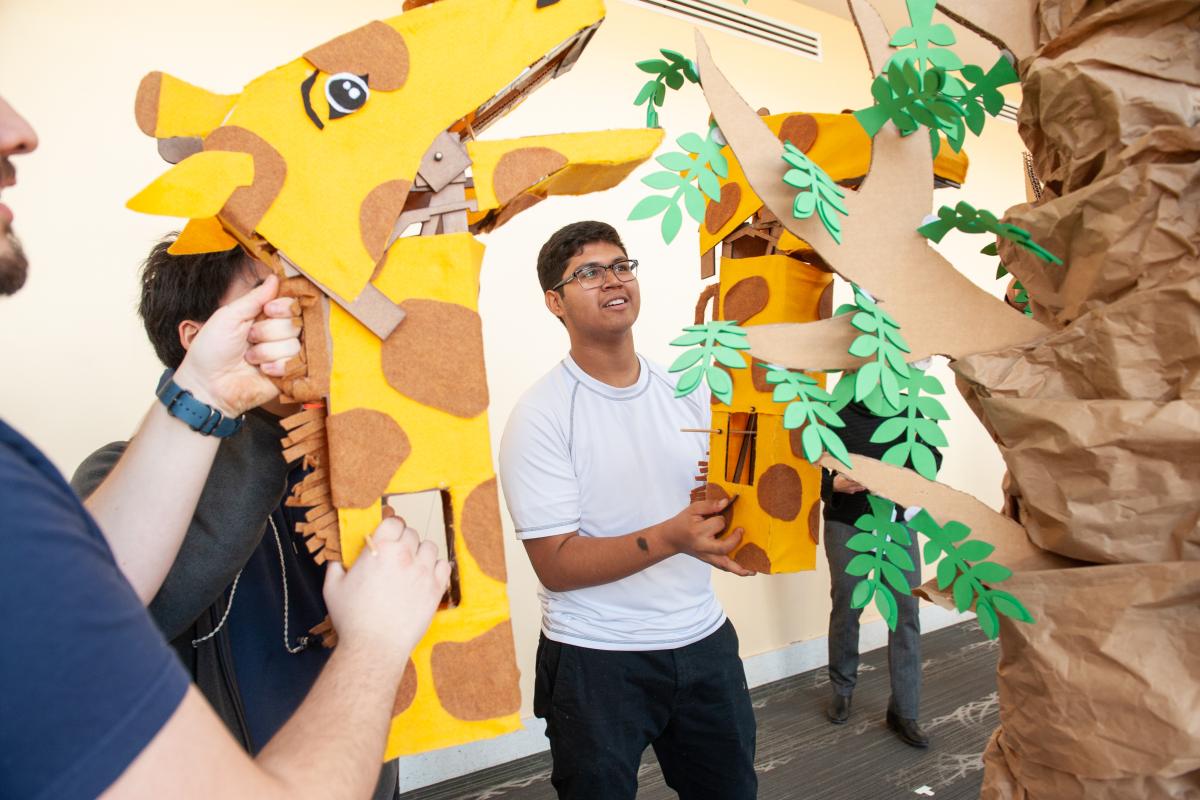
753	557
378	213
796	443
825	303
145	107
717	214
713	491
780	493
407	691
376	51
246	206
365	449
477	679
800	130
520	169
522	202
758	376
481	530
814	522
746	298
436	357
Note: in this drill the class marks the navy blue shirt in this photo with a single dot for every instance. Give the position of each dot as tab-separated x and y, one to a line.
86	680
273	682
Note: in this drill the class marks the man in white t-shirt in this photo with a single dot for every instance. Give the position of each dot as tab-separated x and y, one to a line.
635	649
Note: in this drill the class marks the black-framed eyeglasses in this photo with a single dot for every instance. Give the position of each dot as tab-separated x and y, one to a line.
590	276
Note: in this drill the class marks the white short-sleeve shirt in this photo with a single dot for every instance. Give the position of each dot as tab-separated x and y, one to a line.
580	455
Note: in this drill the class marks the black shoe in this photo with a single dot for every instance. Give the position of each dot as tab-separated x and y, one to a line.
908	730
838	709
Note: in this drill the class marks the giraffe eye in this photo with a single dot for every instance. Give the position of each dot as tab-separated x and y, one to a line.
346	93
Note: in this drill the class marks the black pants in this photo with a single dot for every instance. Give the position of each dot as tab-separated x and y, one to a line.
603	708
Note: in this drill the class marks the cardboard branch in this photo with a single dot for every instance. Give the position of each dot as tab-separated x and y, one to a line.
1007	24
939	310
826	340
1013	547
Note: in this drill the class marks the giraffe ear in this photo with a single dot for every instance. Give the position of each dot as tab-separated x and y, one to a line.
197	187
202	236
167	107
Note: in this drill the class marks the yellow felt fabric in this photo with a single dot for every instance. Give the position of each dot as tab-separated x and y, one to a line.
204	235
795	292
187	110
448	453
842	148
196	187
595	161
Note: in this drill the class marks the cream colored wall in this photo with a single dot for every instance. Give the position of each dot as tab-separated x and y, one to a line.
78	371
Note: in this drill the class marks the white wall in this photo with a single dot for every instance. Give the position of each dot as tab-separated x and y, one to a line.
76	368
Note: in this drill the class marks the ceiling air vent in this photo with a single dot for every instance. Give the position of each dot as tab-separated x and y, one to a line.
740	22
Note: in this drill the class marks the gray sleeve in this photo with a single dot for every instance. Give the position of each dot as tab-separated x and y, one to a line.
246	484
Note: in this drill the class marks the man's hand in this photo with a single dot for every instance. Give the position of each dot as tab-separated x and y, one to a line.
844	485
385	601
229	361
695	531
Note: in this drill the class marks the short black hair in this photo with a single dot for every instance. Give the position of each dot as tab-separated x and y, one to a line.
183	287
566	243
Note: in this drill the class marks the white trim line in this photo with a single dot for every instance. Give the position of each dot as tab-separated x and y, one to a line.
426	769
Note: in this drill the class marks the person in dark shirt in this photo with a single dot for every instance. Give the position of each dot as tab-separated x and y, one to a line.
241	598
844	502
92	700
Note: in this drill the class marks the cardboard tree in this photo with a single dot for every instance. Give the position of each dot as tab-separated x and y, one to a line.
769	276
1092	400
317	168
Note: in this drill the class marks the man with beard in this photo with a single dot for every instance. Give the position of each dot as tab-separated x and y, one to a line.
92	700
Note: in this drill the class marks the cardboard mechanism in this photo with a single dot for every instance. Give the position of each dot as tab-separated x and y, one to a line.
356	173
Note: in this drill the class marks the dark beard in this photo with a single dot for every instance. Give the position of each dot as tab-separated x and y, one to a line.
13	266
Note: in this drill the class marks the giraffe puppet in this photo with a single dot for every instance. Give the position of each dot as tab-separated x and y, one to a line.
317	169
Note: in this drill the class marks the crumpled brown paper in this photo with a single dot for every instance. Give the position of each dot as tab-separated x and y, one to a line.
1130	635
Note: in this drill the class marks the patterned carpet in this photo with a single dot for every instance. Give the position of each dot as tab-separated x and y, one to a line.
801	755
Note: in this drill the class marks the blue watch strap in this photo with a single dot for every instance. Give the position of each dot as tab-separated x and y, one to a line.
198	416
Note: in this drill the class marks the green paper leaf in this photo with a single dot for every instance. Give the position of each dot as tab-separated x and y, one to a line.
923	461
990	572
932	408
729	357
975	550
834	445
928	430
866	379
827	415
895	577
660	94
804	205
649	207
710	186
662	180
676	162
686	359
645	94
955	531
810	443
688	381
860	565
963	594
653	65
987	619
887	606
864	346
671	222
862	593
1010	606
691	142
889	430
931	552
890	386
675	80
693	199
945	570
863	543
720	383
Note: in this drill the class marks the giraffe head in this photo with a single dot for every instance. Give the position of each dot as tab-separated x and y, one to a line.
316	158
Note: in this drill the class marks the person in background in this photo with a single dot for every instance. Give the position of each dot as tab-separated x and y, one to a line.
844	502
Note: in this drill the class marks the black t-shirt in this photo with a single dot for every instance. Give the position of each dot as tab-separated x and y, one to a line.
86	680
